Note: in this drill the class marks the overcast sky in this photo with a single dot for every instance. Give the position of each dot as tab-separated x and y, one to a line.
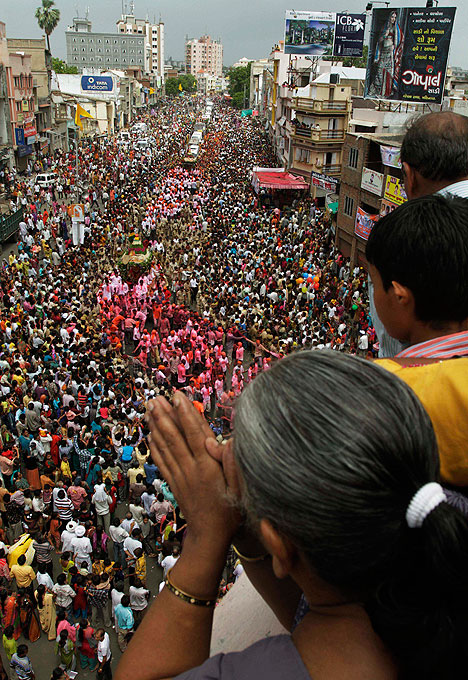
247	28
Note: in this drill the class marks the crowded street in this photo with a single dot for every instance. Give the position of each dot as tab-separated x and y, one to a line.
230	283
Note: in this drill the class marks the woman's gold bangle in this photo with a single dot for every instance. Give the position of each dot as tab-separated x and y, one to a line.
190	599
244	558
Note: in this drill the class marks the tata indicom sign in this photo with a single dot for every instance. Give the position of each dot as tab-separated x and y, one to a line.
97	83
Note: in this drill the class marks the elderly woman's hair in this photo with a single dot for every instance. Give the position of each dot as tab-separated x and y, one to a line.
332	449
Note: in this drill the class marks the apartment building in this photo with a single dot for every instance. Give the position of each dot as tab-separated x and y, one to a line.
153	34
204	55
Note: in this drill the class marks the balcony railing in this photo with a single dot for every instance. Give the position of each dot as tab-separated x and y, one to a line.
331	169
320	106
319	135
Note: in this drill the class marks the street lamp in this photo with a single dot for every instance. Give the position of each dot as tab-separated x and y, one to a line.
378	2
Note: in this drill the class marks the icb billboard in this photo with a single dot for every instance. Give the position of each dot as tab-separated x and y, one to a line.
97	83
324	33
408	54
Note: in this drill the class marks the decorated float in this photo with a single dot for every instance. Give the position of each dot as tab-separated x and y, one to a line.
136	261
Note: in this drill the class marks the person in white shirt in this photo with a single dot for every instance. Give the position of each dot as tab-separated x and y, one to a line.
118	535
103	654
43	578
131	543
169	561
139	597
81	547
67	536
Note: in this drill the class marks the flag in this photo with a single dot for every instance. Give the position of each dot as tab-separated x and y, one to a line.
81	113
180	87
152	90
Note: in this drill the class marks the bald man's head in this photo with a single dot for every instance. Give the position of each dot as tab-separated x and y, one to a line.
436	146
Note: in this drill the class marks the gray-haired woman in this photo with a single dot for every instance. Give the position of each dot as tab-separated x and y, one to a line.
335	465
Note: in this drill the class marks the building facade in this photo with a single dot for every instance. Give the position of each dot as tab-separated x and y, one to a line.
86	49
153	34
41	68
369	184
204	55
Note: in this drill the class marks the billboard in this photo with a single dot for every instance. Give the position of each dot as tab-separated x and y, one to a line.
97	83
386	207
349	35
394	191
311	33
364	223
372	181
324	33
408	54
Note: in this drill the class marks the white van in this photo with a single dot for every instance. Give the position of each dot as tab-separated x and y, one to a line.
46	179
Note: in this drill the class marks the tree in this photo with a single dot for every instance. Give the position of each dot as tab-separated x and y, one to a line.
59	66
239	86
47	17
188	82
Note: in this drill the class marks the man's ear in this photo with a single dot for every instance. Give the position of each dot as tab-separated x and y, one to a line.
410	180
284	553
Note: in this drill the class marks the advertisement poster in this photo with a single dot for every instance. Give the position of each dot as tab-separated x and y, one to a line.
364	223
309	33
324	33
386	207
391	156
372	181
408	54
394	191
349	35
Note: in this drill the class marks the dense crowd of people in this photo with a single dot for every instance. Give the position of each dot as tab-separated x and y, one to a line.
234	284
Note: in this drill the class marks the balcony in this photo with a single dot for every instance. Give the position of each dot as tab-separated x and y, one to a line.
321	106
318	136
331	169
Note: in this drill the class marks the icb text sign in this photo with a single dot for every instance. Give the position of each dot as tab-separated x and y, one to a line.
97	84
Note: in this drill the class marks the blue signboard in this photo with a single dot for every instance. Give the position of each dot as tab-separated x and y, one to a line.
24	150
97	83
19	135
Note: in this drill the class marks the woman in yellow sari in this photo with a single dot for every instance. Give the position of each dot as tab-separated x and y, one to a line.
46	609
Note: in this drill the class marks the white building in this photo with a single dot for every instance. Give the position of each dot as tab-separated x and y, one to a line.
153	34
204	55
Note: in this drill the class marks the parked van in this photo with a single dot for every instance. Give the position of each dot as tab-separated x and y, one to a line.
46	179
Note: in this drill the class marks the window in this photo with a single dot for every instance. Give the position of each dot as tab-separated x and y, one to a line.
353	158
348	206
302	155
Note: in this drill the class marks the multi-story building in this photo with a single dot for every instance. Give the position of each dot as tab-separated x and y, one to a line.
153	34
86	49
371	183
318	129
257	76
41	68
22	99
204	55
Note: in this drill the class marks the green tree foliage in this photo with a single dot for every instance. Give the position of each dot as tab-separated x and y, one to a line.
47	17
188	82
239	86
59	66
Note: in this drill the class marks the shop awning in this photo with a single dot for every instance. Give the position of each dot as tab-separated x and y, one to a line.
277	179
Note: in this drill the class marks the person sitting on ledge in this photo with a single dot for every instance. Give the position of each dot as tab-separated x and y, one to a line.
335	470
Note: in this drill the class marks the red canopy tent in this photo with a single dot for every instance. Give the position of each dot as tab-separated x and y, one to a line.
277	178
